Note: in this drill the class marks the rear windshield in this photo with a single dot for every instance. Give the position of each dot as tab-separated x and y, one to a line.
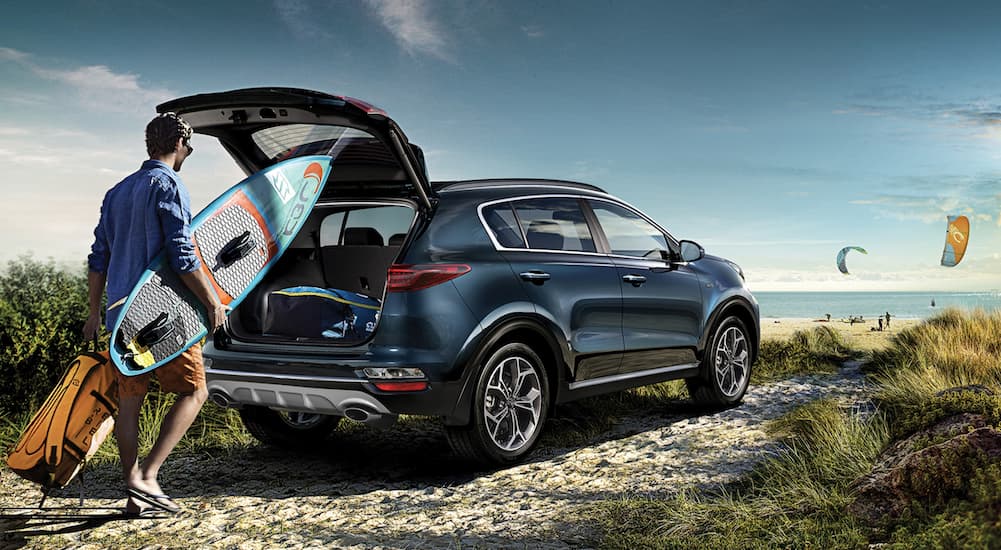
279	143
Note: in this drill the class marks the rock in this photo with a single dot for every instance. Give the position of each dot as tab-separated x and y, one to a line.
911	471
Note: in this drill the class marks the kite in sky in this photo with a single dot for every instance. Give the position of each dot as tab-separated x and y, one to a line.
957	236
841	257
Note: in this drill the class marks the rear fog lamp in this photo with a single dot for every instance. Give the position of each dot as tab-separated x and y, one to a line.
402	386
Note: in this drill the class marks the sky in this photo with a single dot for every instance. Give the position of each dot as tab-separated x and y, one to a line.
773	133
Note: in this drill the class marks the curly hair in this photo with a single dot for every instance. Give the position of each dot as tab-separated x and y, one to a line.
163	132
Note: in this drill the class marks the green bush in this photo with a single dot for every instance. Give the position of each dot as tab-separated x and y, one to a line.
42	311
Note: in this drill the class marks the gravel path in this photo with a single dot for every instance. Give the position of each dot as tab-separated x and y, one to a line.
400	488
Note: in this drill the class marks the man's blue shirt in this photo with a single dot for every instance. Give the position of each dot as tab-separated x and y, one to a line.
145	213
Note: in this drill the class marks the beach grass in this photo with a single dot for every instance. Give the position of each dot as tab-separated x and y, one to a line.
215	429
819	349
798	499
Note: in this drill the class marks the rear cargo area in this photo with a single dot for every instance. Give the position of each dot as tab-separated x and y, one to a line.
329	285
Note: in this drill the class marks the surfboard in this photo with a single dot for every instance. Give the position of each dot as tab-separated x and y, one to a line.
238	237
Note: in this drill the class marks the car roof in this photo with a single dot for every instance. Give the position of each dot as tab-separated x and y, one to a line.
508	186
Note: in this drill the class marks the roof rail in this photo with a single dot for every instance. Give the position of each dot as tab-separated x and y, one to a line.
462	185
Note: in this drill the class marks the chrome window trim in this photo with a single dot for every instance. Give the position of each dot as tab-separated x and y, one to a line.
605	198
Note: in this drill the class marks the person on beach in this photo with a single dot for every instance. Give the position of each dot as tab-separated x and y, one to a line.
880	320
144	213
888	319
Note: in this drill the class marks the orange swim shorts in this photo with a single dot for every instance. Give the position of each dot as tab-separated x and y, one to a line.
183	374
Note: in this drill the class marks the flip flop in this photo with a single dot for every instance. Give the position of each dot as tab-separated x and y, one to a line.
146	513
162	502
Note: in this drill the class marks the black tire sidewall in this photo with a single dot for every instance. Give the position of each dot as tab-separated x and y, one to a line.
479	426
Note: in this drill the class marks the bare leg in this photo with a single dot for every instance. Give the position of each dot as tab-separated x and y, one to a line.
180	417
127	436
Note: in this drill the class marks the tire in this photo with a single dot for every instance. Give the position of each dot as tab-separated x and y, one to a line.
510	407
287	429
726	366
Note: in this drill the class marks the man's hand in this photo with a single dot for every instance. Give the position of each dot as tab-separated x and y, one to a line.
92	327
215	312
216	316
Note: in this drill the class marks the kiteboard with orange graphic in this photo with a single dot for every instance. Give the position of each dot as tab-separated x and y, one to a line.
238	237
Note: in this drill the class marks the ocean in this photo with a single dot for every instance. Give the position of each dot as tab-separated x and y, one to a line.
841	305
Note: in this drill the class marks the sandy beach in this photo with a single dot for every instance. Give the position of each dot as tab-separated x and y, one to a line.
860	333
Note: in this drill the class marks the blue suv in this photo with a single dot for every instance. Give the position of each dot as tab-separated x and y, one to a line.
485	303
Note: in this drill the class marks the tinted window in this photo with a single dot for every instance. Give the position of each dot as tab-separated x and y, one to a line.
378	226
500	218
628	234
554	224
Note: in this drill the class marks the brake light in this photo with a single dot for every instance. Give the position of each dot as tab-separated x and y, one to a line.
404	278
364	106
402	386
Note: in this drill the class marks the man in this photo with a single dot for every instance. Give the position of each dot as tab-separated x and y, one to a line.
145	213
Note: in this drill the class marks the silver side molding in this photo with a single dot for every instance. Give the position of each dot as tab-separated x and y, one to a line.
638	374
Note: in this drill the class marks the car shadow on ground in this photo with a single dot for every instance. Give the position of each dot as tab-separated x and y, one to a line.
411	455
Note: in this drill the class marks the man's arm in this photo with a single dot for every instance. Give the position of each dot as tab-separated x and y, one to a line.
95	290
175	217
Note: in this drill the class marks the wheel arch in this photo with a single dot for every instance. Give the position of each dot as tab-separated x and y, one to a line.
739	307
528	330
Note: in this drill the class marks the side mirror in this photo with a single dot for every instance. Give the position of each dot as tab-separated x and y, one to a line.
691	251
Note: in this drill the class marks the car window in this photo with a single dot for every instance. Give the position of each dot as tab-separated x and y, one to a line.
504	225
373	226
628	234
330	229
283	142
554	224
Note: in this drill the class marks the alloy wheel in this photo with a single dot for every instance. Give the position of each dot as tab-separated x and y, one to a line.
512	404
300	420
730	361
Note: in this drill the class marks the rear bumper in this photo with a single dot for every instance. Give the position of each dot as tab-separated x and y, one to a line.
325	386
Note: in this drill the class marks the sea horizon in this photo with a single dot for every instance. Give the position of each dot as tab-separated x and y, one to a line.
840	304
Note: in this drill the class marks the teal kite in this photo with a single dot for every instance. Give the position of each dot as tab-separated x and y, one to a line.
841	257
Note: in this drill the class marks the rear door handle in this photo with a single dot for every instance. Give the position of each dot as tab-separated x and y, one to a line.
535	276
635	280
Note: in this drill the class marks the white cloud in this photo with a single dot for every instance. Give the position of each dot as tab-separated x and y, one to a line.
533	31
789	242
973	275
412	25
296	15
97	87
929	199
10	54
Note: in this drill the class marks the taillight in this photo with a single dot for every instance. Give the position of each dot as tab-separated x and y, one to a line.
404	278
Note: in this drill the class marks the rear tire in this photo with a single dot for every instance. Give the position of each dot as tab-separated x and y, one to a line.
287	429
726	366
510	407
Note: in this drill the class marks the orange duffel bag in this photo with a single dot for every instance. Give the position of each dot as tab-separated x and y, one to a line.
72	423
